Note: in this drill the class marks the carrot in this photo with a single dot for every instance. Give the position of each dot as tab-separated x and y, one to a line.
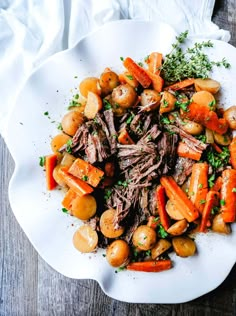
212	199
150	266
153	222
78	186
203	115
160	197
179	198
157	81
228	195
68	198
154	62
180	85
86	172
198	186
138	72
217	185
50	164
124	138
217	148
232	150
184	150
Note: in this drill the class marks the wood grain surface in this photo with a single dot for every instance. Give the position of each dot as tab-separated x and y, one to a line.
30	287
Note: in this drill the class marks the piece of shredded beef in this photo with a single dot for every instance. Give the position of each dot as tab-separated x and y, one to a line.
183	169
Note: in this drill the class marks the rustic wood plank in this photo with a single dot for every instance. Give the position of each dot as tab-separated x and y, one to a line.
18	263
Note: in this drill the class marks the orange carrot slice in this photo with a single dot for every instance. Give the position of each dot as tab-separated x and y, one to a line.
138	72
212	199
232	150
154	62
150	266
124	138
161	205
180	85
228	195
50	164
184	150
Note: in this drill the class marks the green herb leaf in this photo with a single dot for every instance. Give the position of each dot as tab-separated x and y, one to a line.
107	104
222	202
42	161
130	118
68	146
59	126
85	178
234	190
122	58
162	231
64	210
130	77
211	180
218	160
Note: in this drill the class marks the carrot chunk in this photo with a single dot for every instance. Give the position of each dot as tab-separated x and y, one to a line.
124	138
180	85
150	266
86	172
138	72
212	199
228	195
50	164
179	198
232	150
160	197
78	186
184	150
154	62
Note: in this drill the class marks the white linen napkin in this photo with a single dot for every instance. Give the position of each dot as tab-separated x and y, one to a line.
31	31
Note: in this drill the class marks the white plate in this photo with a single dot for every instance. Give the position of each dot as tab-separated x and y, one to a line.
39	212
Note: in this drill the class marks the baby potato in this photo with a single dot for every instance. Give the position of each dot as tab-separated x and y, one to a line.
67	159
178	228
93	105
150	99
167	102
84	207
117	253
205	98
219	226
57	176
58	141
223	140
209	85
144	237
124	95
172	211
107	225
230	116
126	77
160	247
184	246
108	81
71	122
85	239
89	84
192	128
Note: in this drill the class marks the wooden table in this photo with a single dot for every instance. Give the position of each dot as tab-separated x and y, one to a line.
30	287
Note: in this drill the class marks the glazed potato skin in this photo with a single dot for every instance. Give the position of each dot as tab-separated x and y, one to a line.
89	84
71	122
107	225
150	100
117	253
124	95
58	141
184	246
85	239
209	85
219	226
230	116
84	207
108	81
144	237
192	128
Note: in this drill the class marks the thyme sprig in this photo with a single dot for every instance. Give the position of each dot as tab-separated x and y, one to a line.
191	63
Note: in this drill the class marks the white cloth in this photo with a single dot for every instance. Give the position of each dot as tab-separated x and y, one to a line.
32	30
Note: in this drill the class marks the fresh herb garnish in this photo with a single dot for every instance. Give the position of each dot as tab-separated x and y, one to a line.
191	63
200	186
212	105
107	194
162	231
211	180
222	202
122	58
183	105
59	126
130	77
85	178
165	120
234	190
218	160
42	161
73	103
215	210
45	113
107	104
130	118
202	138
202	201
68	146
64	210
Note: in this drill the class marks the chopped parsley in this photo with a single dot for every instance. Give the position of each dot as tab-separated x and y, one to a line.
162	231
130	77
42	161
234	190
68	146
59	126
202	201
212	105
64	210
222	202
165	120
107	194
215	210
202	138
130	118
73	103
218	160
122	58
85	178
165	104
183	105
211	180
107	104
200	186
46	113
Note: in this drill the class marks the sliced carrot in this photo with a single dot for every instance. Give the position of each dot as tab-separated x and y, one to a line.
185	151
212	199
228	195
179	198
50	164
232	150
157	81
124	138
78	186
153	222
203	115
161	205
138	72
217	148
68	199
154	62
150	266
86	172
217	185
180	85
198	186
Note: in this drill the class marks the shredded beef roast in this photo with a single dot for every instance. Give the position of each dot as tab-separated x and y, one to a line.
183	169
